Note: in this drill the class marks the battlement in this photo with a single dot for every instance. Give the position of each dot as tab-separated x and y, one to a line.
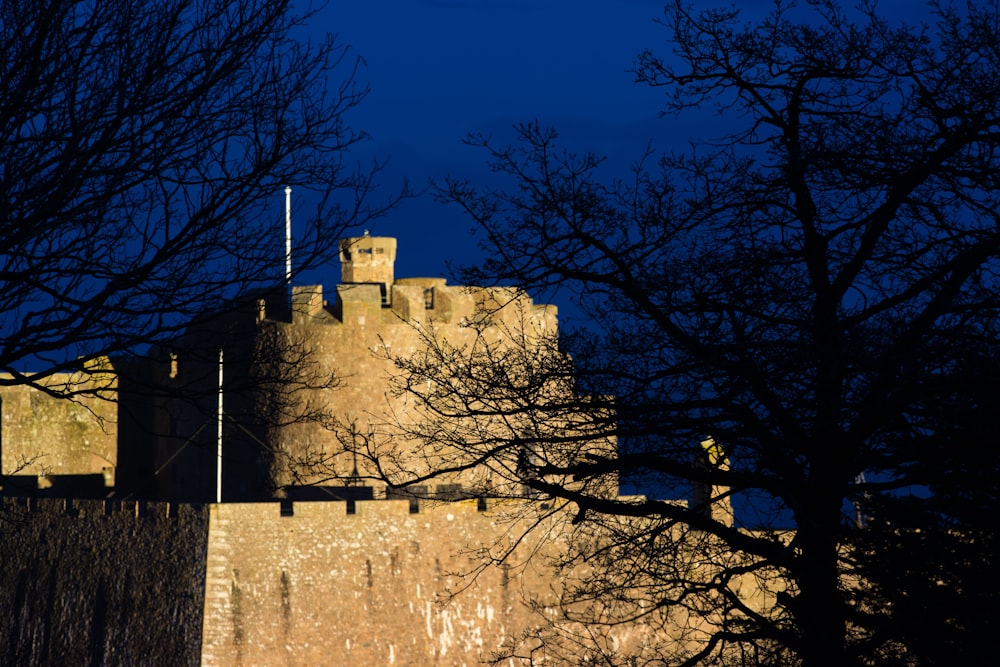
87	509
359	510
305	510
410	301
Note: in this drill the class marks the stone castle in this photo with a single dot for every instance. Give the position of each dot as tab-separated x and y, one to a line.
216	503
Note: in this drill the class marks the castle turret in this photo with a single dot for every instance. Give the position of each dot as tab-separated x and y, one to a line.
368	259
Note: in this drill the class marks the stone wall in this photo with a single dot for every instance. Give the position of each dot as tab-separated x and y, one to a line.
319	585
356	342
294	584
310	583
101	582
43	438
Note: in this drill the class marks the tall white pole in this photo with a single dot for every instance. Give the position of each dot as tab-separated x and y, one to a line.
288	235
218	467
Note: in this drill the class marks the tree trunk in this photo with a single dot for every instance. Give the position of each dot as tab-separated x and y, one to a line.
820	606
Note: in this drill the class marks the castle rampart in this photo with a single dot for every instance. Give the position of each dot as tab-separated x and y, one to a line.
275	583
368	587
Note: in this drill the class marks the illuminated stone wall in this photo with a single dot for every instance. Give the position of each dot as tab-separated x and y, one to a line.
326	587
45	440
323	370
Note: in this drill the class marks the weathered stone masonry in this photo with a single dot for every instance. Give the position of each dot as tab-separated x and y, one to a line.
309	583
322	586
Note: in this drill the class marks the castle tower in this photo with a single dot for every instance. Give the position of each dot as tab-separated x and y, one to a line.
368	259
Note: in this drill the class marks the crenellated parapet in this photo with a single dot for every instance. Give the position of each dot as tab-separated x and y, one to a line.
274	583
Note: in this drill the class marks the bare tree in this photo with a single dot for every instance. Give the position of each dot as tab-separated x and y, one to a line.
144	147
784	317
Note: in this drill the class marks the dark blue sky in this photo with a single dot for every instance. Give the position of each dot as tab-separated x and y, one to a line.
439	69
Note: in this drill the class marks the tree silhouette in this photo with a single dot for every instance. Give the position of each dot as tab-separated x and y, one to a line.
144	148
784	316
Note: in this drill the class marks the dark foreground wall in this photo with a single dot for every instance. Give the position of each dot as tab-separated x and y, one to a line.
101	582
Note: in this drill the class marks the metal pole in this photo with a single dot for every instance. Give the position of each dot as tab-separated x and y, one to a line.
218	467
288	235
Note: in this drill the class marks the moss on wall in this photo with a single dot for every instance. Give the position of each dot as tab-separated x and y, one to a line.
60	436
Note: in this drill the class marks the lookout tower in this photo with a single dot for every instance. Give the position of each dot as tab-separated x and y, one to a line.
368	259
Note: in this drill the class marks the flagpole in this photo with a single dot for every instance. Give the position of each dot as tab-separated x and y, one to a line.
288	235
218	467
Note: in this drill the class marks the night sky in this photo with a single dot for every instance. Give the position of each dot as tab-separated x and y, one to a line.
440	69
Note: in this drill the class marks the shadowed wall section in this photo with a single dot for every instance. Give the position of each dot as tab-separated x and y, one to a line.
101	582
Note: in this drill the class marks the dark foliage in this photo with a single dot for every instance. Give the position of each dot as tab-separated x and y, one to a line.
815	289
